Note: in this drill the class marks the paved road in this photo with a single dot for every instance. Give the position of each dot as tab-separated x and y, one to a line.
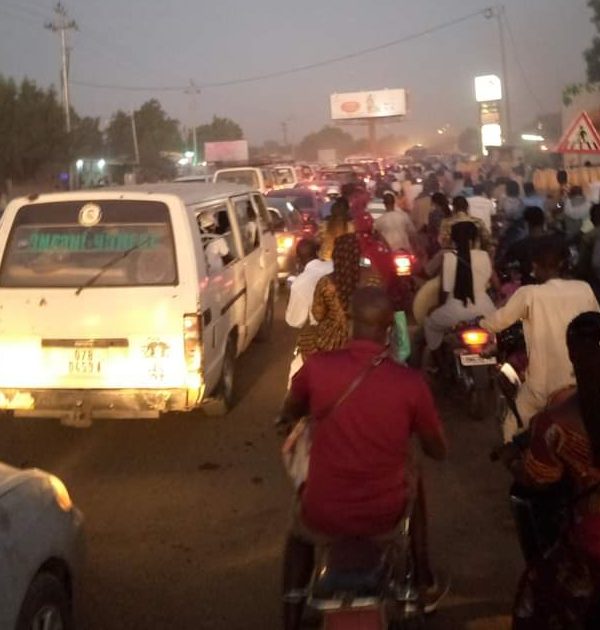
186	516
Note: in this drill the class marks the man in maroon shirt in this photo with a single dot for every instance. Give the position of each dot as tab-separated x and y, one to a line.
356	484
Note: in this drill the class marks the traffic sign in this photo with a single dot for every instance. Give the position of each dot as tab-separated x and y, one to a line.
581	137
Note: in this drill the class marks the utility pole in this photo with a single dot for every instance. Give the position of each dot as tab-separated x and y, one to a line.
193	90
136	147
498	12
61	24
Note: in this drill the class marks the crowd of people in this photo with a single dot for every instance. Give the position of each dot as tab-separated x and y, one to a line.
495	251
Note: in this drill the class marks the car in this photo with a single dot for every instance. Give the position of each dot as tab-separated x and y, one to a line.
305	200
261	178
144	298
41	551
285	176
289	229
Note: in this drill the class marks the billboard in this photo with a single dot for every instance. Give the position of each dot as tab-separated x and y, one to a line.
230	151
360	105
488	88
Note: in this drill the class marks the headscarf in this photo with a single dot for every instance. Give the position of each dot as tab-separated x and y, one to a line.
374	248
463	234
346	267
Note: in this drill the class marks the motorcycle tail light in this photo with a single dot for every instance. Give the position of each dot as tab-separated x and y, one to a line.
475	337
403	264
285	242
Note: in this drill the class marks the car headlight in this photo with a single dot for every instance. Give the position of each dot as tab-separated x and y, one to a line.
61	494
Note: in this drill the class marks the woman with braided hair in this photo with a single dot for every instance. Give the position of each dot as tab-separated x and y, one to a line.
331	301
466	274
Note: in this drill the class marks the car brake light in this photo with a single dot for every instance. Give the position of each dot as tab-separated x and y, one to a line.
284	243
403	264
475	337
192	342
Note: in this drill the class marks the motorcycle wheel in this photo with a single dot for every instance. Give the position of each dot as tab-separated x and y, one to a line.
478	396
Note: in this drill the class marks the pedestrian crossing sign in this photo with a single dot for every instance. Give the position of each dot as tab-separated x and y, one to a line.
581	137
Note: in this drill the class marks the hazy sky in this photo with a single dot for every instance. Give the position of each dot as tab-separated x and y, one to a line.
169	42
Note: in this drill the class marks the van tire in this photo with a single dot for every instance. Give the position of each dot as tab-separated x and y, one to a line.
224	398
46	597
266	328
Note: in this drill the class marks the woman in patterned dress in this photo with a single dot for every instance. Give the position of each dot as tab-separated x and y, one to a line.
561	589
331	301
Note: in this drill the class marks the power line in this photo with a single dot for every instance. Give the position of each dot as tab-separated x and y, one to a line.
517	57
296	69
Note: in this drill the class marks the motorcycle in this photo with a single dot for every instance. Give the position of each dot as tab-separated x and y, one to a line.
358	584
469	360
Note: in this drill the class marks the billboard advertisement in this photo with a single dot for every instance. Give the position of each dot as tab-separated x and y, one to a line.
360	105
230	151
488	88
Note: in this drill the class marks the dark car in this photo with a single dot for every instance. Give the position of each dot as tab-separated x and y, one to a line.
288	226
306	201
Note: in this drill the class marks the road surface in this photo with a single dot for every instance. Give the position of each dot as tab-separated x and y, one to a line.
186	516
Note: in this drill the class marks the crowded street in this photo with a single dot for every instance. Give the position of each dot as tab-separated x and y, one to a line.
299	315
186	516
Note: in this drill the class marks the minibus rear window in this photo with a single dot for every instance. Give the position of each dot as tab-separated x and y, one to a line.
67	244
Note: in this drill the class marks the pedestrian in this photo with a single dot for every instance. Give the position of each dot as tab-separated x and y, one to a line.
481	206
531	199
576	212
588	264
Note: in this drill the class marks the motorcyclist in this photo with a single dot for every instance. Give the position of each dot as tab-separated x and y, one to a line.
331	195
363	408
560	586
395	225
546	310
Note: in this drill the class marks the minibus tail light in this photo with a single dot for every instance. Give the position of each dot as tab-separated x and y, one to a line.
192	342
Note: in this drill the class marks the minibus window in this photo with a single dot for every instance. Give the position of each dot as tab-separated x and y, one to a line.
65	244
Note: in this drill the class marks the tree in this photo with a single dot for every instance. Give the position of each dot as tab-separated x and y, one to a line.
157	134
33	132
219	130
86	138
327	138
469	141
592	54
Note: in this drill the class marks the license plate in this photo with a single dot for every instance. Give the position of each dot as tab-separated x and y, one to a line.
469	360
86	362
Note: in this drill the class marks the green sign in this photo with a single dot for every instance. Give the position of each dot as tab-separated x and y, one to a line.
90	241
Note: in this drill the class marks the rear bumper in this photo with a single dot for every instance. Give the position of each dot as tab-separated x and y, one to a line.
97	403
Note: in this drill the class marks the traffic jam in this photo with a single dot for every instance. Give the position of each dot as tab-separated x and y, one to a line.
347	381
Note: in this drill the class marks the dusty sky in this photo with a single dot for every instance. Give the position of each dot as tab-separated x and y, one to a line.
166	43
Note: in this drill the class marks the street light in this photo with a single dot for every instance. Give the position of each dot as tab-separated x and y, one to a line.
532	137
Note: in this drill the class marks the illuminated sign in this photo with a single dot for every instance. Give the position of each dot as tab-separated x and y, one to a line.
488	88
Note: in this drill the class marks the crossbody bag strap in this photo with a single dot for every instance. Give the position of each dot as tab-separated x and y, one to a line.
376	362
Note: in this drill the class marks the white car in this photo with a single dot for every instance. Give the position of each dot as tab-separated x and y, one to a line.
134	302
41	551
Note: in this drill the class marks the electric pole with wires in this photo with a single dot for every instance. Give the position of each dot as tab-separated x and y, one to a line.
61	25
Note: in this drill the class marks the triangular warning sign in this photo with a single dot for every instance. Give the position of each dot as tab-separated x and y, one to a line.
581	137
